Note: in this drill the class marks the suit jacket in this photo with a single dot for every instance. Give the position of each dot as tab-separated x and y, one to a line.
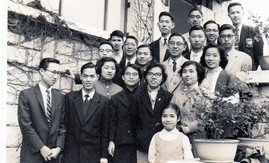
120	130
224	79
173	78
145	119
238	61
155	51
34	126
254	49
87	135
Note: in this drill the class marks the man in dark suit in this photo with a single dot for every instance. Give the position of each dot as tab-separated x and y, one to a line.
247	40
40	116
121	139
159	47
147	107
86	121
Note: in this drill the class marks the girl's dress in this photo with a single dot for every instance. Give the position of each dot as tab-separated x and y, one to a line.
165	148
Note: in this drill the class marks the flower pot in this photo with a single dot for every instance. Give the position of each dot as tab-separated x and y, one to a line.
255	143
264	62
216	150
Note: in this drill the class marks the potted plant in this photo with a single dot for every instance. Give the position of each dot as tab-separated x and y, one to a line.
224	121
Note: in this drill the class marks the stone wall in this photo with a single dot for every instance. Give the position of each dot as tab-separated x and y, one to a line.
30	40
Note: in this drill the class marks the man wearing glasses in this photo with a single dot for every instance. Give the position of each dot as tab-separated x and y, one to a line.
176	46
40	116
211	31
148	104
105	50
237	60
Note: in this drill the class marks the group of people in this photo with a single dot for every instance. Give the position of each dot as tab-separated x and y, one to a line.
136	102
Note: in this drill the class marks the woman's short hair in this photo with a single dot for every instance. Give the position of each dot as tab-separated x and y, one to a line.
199	68
223	57
102	61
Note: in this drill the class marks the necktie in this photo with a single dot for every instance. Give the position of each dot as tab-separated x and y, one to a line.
165	41
86	104
86	98
128	63
174	66
236	44
48	107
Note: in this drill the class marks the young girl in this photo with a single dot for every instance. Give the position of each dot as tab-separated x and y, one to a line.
169	144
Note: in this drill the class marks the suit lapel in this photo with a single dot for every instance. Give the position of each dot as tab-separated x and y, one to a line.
40	98
232	61
79	105
242	35
158	50
123	97
146	100
159	99
94	105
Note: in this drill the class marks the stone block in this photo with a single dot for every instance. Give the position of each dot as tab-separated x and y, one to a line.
33	58
64	47
13	155
13	137
49	46
68	62
15	53
16	76
12	95
12	115
14	38
32	44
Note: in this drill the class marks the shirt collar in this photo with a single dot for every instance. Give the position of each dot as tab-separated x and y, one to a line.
43	88
174	131
167	37
90	94
170	61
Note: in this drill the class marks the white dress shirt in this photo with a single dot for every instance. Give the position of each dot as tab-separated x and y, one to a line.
90	94
196	56
45	94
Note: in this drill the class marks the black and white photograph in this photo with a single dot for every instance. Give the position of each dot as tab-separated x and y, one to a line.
134	81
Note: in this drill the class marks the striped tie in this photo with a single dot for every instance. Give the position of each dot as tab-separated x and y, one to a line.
48	107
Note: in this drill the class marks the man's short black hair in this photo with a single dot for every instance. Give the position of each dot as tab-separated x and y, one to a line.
227	27
195	9
134	66
196	28
117	33
44	63
132	37
88	65
211	22
154	64
106	42
165	13
234	4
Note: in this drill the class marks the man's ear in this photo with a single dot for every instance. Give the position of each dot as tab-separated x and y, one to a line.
173	25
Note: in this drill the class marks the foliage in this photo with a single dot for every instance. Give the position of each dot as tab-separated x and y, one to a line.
231	120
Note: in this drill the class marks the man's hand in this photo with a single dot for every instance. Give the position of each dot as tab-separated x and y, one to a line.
55	152
46	153
111	148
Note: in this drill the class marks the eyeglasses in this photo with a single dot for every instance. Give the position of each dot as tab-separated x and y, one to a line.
151	74
103	50
176	43
129	74
226	36
212	30
54	72
195	16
